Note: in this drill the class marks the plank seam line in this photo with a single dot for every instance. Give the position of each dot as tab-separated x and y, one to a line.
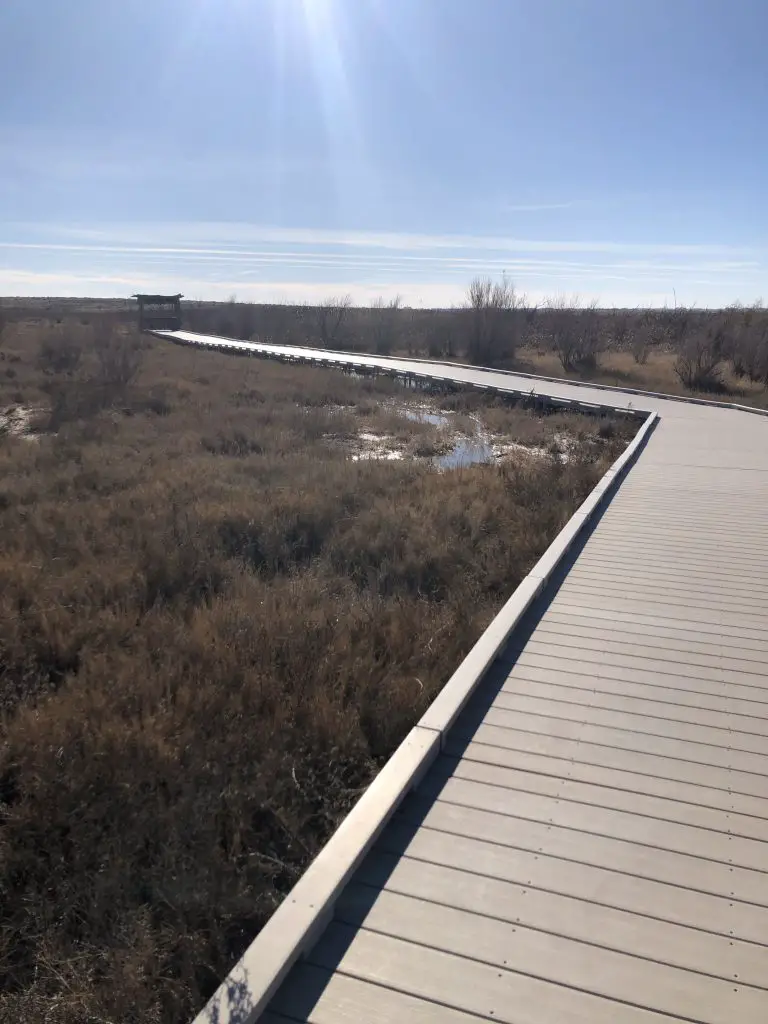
633	732
526	884
661	570
635	578
555	626
639	714
613	747
738	611
637	553
525	652
540	852
519	677
624	617
720	466
513	674
526	926
594	633
693	546
464	756
593	556
467	755
549	823
600	652
377	983
665	582
513	660
600	620
556	615
622	513
629	771
522	974
562	799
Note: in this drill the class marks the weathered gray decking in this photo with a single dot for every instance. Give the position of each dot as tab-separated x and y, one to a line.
592	843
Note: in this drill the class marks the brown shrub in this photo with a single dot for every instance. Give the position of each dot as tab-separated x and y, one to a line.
699	364
213	629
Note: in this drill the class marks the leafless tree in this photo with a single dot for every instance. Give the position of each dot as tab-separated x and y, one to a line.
59	353
699	365
118	360
245	320
331	316
497	320
749	342
623	328
575	332
679	323
650	332
385	316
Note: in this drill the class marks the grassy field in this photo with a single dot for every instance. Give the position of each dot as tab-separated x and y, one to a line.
214	627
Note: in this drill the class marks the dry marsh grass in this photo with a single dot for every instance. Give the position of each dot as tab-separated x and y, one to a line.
214	628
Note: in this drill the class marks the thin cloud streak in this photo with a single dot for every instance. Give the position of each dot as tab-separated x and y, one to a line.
198	234
402	259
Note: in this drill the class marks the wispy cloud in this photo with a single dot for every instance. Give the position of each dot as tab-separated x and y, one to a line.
405	262
543	207
203	234
298	264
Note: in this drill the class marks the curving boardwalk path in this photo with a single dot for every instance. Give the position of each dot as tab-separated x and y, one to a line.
591	843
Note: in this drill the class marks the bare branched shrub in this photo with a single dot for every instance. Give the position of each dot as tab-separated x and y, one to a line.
496	319
118	360
699	365
60	353
245	321
576	333
384	323
749	343
622	329
649	333
679	324
331	317
103	366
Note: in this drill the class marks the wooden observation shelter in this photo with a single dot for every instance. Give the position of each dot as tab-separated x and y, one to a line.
159	312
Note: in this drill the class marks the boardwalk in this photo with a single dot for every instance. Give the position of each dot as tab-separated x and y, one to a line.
591	843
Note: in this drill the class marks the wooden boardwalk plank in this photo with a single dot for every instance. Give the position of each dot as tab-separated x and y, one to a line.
722	820
443	834
642	859
490	932
669	701
657	721
317	995
693	795
739	863
620	756
464	983
560	898
626	736
560	663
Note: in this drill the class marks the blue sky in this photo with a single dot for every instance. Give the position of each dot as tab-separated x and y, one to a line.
294	149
